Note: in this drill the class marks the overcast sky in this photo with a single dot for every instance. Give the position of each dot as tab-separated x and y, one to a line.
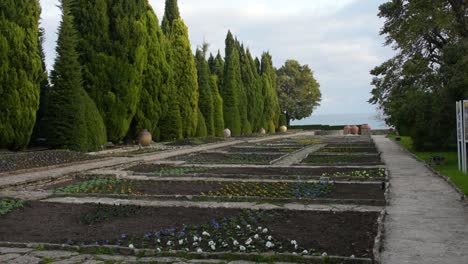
338	39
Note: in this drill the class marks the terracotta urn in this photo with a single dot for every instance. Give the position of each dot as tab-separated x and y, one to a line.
227	133
347	130
262	131
283	129
145	139
366	130
355	130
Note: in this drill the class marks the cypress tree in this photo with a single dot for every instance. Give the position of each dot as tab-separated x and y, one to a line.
205	102
217	68
253	90
73	120
271	110
218	115
231	87
20	71
113	54
201	126
157	81
184	69
243	100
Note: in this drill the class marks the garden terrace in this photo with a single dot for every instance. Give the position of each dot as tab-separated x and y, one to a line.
228	158
194	229
285	191
342	160
246	172
349	149
261	149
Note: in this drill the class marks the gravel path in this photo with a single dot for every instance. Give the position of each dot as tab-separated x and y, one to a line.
426	223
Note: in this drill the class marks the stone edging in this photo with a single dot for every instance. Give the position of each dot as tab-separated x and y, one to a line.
463	197
378	242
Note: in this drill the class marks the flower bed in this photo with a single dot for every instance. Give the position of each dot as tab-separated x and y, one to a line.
27	160
223	158
9	205
342	160
98	185
247	172
260	149
198	230
349	150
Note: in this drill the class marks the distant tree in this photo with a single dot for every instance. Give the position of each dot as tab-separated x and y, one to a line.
218	116
205	102
21	71
231	86
242	95
298	91
253	90
271	107
73	121
217	67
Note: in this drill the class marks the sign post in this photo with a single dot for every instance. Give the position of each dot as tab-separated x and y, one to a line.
462	134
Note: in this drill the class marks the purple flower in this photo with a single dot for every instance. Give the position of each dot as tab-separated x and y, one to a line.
123	236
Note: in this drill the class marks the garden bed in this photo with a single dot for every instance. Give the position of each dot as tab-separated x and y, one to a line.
349	149
27	160
363	174
165	229
195	141
261	149
335	160
229	158
216	189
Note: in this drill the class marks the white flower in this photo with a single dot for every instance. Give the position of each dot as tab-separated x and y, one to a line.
352	256
235	243
293	242
205	234
181	242
305	252
159	240
296	246
213	247
186	249
158	249
238	227
324	254
249	226
211	243
294	253
242	248
195	238
269	244
265	230
249	241
199	250
259	228
169	243
131	246
256	236
195	244
225	245
269	237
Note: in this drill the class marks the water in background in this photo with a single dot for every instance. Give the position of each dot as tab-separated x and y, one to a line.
343	119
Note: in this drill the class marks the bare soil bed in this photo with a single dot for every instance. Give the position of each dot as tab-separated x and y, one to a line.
227	158
338	160
264	149
337	233
349	149
35	159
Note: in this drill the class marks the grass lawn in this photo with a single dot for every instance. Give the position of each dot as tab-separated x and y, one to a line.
449	168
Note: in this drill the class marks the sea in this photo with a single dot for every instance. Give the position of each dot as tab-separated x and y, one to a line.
373	120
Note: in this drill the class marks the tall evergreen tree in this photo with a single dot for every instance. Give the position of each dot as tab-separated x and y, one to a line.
113	54
184	68
73	120
205	103
217	68
271	110
231	87
157	81
218	116
20	71
243	100
253	90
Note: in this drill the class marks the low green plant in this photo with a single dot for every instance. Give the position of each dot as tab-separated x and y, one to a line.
102	213
9	205
99	185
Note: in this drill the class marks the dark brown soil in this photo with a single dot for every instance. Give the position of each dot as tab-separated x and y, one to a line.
344	233
234	158
236	172
261	149
27	160
342	159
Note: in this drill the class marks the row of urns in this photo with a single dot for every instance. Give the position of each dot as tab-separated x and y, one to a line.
354	130
145	138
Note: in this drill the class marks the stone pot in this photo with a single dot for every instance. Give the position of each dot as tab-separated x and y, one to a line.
145	139
283	129
347	130
262	131
355	130
227	133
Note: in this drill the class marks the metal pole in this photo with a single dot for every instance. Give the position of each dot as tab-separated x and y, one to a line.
464	135
458	136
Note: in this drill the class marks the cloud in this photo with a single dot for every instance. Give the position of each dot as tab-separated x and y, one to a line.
338	39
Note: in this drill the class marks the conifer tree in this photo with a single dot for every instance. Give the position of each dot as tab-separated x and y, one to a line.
217	68
171	13
271	111
73	120
243	100
218	115
253	90
201	126
205	103
231	87
113	54
20	71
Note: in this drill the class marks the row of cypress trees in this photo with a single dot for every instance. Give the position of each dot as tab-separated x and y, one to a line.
118	71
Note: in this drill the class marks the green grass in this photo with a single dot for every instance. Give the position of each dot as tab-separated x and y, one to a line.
449	168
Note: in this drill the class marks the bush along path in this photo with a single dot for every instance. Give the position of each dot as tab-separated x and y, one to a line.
426	222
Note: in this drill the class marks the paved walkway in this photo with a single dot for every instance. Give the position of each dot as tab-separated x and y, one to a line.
426	223
44	173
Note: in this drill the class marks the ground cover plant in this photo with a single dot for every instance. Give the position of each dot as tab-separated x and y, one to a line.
26	160
349	150
448	168
330	232
265	149
99	185
104	213
342	159
8	205
381	173
230	158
